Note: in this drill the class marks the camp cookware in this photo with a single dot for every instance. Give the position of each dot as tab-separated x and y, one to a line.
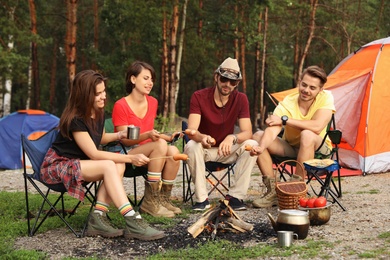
293	220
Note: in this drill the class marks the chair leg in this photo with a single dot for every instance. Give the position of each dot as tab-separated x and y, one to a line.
187	179
325	186
218	182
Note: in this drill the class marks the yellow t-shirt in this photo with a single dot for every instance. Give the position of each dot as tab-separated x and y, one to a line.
289	107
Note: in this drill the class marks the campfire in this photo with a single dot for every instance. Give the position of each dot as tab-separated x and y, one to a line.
220	218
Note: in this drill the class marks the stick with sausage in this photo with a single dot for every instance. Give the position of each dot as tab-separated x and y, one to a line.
176	157
192	132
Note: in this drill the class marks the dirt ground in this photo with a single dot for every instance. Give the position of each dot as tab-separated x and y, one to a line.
367	199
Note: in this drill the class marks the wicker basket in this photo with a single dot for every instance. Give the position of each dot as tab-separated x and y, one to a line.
290	192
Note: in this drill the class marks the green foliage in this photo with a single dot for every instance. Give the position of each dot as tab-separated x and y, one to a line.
132	30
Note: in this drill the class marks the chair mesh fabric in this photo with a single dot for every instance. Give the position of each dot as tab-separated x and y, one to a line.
36	150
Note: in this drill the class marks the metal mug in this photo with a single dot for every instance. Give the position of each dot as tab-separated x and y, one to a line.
285	238
133	132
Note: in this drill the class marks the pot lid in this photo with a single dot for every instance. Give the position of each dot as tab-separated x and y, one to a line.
294	212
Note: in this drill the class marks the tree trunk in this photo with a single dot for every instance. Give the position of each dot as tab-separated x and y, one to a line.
296	57
8	81
255	108
165	67
95	29
243	54
262	111
200	83
36	100
380	14
312	26
173	79
70	45
236	43
180	47
53	107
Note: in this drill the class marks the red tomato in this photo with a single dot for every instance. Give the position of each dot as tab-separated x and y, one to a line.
320	202
303	202
310	202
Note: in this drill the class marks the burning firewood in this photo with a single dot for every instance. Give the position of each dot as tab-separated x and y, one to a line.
222	218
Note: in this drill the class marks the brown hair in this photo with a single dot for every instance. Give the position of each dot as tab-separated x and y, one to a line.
315	72
134	70
81	100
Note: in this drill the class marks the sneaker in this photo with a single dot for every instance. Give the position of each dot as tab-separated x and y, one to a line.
136	227
99	225
235	203
201	206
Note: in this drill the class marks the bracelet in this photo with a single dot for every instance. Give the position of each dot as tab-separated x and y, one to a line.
119	135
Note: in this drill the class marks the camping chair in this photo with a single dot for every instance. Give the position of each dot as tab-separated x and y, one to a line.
36	151
131	171
333	187
211	168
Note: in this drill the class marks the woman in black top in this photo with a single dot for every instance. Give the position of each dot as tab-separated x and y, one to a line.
74	158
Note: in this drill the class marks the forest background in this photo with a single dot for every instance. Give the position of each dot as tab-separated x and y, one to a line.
43	44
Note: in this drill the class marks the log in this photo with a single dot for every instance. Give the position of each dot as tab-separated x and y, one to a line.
240	225
197	228
226	203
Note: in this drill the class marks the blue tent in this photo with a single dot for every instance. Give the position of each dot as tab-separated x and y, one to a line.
32	123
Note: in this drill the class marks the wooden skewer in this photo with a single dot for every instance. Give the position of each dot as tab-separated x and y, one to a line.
176	157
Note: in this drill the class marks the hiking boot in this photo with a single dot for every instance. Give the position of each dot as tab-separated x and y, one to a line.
270	198
201	206
235	204
152	201
166	190
136	227
99	225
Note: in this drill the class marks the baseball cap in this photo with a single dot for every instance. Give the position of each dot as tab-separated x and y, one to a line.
230	69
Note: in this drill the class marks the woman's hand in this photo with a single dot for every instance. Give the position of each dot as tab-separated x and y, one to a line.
122	134
154	135
175	136
139	159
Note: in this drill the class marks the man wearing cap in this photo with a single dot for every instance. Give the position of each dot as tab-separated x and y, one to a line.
213	113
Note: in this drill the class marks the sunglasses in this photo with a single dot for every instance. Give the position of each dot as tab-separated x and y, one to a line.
232	81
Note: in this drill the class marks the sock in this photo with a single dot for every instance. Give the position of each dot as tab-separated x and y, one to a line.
101	207
164	181
154	176
127	210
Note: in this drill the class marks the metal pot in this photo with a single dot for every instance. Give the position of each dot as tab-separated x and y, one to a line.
319	216
292	220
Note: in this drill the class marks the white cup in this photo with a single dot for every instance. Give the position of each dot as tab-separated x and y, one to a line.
285	238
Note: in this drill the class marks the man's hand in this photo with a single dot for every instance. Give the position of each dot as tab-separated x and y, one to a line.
256	150
208	141
274	120
225	148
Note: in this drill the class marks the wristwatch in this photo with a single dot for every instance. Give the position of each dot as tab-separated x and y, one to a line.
284	119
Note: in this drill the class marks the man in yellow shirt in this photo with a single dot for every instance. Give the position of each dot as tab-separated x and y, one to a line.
304	115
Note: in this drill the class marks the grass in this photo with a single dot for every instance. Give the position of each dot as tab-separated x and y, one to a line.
373	191
13	224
